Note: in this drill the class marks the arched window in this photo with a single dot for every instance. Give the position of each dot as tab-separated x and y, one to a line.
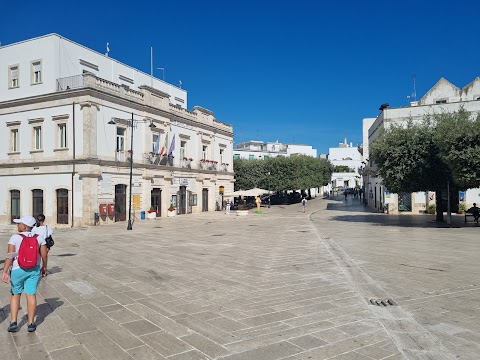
14	204
62	206
37	201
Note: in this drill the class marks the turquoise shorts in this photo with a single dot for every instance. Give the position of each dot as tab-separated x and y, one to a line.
25	280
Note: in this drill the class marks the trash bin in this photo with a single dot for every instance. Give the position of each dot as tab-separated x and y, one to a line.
142	215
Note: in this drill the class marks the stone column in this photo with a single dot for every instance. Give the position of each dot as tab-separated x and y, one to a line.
89	125
147	177
166	191
89	179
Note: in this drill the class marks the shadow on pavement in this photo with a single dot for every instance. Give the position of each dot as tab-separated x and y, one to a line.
422	221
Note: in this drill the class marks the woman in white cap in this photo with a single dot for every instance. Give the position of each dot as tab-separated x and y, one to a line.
25	273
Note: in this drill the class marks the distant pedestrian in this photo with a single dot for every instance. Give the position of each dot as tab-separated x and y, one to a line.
304	203
227	207
25	250
345	193
259	202
44	231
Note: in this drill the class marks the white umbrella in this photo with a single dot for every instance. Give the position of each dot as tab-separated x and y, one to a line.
251	192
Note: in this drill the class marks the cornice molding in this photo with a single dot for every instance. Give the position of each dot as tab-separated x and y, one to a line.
96	93
89	104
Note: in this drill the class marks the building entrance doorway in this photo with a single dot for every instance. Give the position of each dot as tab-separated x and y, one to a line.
37	200
120	202
62	206
405	202
156	200
205	200
14	205
182	200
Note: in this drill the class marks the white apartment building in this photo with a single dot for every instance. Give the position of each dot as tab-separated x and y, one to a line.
69	115
348	158
254	150
442	97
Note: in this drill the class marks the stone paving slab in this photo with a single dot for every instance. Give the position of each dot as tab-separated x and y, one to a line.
277	285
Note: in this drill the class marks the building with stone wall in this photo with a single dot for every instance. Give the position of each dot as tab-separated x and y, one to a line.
442	97
66	142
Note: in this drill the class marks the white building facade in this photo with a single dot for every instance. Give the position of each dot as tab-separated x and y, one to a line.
442	97
254	150
347	160
65	146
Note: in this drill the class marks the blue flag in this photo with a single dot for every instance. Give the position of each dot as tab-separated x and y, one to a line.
172	146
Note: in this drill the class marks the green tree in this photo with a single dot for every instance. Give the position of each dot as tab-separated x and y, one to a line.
425	156
458	138
282	173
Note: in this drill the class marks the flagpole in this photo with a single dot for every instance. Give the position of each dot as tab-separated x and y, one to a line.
151	64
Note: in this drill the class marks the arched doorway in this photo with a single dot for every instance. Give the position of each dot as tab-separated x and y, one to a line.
120	202
14	204
62	206
37	202
156	200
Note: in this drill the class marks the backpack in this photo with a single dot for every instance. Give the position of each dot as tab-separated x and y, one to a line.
49	239
28	252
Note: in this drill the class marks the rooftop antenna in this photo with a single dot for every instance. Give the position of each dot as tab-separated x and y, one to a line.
180	84
414	94
163	70
151	65
108	49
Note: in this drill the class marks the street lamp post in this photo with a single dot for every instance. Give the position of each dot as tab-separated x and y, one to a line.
269	195
132	126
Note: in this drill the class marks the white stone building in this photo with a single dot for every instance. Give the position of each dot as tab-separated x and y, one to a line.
442	97
254	150
65	146
348	158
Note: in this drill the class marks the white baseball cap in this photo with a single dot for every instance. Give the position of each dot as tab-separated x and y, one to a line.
27	220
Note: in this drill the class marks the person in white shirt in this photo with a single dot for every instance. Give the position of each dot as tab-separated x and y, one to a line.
304	203
24	279
42	229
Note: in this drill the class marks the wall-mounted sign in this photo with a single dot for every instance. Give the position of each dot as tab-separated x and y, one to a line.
181	181
136	202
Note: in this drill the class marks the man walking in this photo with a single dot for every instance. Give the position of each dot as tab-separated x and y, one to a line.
304	203
25	273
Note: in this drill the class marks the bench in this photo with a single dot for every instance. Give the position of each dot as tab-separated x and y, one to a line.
469	215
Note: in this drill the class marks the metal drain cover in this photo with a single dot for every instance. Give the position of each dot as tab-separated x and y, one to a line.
382	302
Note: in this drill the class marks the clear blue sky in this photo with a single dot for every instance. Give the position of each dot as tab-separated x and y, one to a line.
296	71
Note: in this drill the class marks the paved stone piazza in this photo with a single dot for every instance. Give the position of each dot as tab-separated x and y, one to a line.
276	285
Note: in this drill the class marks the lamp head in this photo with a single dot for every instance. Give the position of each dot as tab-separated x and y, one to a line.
111	122
152	125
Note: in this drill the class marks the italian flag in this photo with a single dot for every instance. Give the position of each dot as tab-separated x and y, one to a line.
164	147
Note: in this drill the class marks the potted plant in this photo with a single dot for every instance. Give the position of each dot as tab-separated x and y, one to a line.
432	208
462	207
152	213
171	211
242	209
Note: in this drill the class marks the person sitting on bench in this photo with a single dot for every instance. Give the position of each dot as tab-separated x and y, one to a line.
475	211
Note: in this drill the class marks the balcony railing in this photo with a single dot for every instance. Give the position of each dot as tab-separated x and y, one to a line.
71	82
163	160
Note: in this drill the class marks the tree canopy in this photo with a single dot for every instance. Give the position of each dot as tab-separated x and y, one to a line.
421	156
282	173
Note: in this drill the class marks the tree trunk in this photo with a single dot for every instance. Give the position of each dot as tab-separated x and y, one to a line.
439	205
